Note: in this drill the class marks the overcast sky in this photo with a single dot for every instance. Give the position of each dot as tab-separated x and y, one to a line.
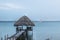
45	10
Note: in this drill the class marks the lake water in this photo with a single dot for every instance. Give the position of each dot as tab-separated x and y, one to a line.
41	30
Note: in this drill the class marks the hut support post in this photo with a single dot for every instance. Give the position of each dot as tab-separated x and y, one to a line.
27	34
17	30
32	33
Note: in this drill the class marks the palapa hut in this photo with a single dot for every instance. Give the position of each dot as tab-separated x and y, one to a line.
22	22
22	34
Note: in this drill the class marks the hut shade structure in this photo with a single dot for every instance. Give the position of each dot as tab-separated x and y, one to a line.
24	21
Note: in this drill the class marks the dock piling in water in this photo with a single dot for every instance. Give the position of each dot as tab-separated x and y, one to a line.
5	37
1	38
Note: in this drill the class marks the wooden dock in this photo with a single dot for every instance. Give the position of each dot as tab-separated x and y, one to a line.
21	33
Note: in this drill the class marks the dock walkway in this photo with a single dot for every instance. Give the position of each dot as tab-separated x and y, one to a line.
18	36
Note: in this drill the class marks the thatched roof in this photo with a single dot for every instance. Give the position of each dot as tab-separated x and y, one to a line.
24	21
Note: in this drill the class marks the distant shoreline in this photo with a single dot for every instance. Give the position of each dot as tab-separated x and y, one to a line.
33	21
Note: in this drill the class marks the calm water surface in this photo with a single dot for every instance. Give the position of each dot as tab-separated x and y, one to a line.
41	31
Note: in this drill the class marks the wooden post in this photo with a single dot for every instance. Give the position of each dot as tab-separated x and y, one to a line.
27	34
32	33
5	37
1	38
16	29
22	27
